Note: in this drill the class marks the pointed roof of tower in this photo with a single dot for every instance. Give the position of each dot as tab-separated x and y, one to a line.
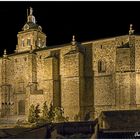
31	21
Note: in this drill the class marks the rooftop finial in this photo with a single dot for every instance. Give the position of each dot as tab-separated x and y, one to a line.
131	26
5	53
73	40
31	11
131	31
30	17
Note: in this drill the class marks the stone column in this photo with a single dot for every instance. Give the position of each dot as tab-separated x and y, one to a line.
73	84
133	72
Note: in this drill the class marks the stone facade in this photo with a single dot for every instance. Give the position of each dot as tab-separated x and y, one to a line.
83	78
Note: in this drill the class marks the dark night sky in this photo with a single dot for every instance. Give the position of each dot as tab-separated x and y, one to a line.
60	20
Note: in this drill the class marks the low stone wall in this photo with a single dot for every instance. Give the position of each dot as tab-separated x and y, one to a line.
58	130
68	128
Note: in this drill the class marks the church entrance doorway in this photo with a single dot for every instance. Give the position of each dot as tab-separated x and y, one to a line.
21	107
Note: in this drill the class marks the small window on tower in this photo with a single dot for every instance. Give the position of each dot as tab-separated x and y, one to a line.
28	42
22	42
39	42
101	66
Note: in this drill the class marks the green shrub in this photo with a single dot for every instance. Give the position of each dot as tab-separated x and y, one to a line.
31	117
37	112
51	113
45	112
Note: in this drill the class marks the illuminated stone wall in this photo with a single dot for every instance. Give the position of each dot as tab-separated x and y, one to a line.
104	82
68	76
72	84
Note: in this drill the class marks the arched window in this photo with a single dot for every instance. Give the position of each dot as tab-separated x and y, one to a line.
39	42
22	42
101	66
21	107
28	42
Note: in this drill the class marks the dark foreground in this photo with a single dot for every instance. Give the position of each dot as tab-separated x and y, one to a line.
124	124
56	130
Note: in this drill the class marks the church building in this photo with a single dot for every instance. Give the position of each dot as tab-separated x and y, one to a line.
83	78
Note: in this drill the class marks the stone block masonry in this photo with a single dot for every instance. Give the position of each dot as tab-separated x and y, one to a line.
83	78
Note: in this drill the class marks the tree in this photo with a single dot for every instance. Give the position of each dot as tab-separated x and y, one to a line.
59	115
76	117
37	112
45	111
51	113
31	117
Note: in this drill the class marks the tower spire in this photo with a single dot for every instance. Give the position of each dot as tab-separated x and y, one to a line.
30	17
31	11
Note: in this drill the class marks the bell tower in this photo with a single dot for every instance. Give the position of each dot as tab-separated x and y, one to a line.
31	37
